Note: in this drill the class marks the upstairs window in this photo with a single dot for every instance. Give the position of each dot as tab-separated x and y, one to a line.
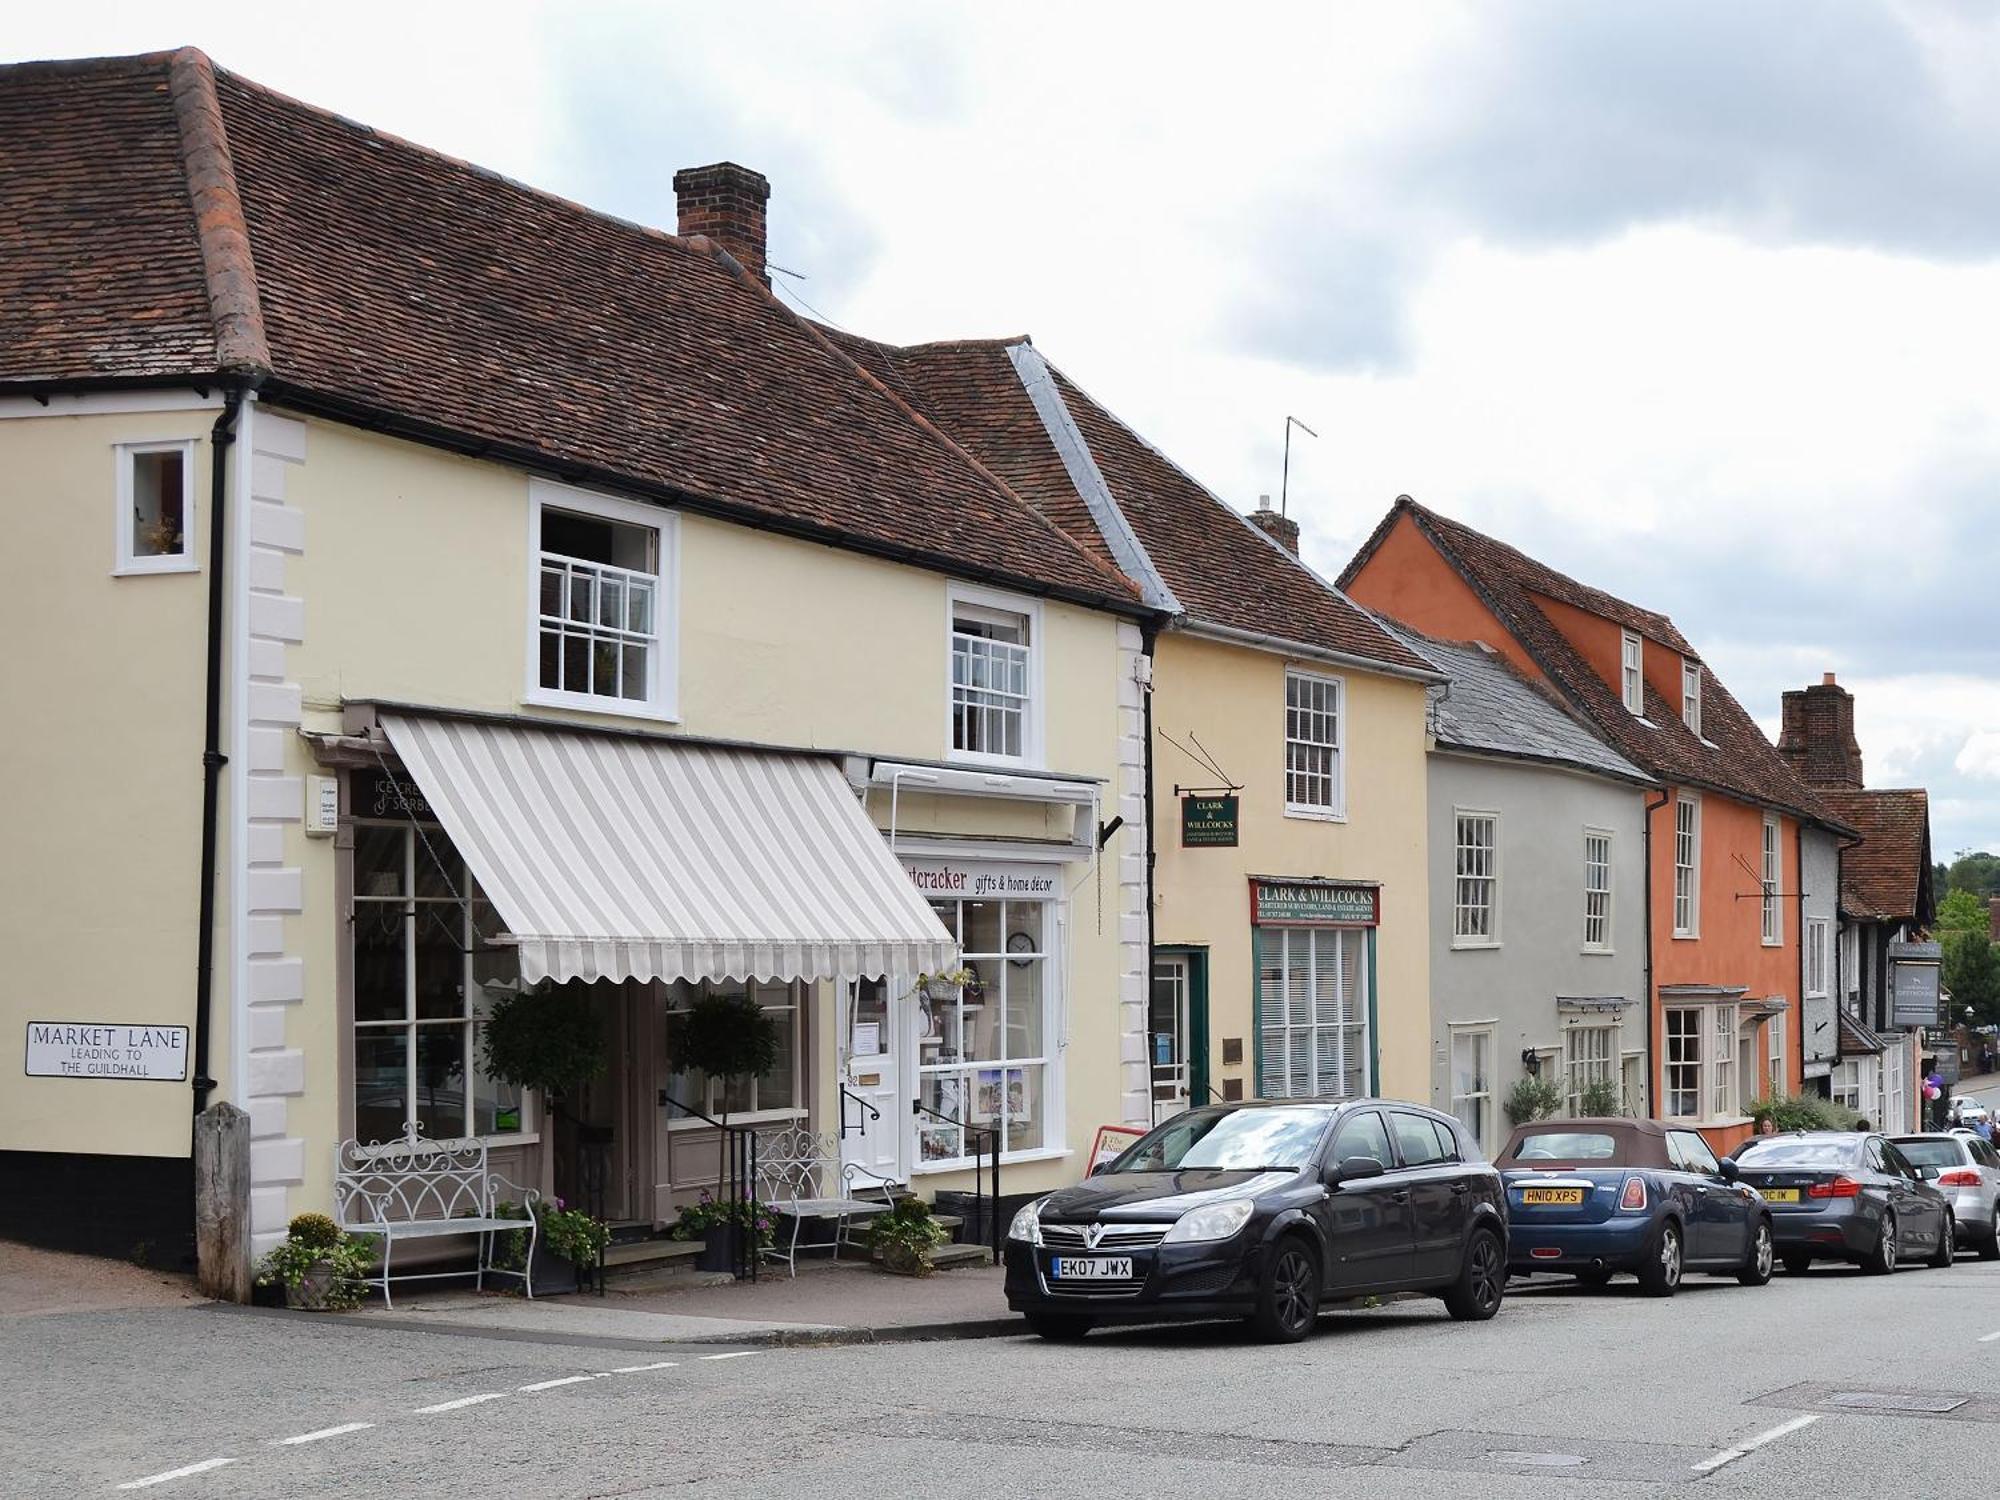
992	680
603	619
1687	867
1772	883
156	507
1596	890
1315	784
1816	946
1632	676
1691	696
1476	909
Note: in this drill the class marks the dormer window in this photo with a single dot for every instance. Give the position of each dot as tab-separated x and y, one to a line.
1633	677
1691	696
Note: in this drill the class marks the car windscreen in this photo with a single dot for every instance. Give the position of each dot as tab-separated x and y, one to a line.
1923	1153
1239	1139
1567	1145
1773	1152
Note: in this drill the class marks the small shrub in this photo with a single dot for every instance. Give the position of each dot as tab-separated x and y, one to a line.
543	1039
308	1252
1802	1112
905	1236
316	1231
1599	1099
1532	1099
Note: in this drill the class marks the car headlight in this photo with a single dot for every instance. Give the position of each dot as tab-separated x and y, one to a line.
1216	1221
1027	1225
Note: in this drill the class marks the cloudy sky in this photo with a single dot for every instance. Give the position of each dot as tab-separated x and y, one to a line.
1695	301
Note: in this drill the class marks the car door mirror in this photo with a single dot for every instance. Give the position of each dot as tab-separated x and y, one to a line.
1729	1168
1354	1169
1928	1174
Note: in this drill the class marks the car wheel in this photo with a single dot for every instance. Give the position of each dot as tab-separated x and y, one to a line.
1757	1266
1883	1260
1947	1246
1989	1246
1660	1269
1797	1265
1482	1280
1288	1301
1058	1328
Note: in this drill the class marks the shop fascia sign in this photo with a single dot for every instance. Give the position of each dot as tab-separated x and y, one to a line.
975	880
107	1049
1313	903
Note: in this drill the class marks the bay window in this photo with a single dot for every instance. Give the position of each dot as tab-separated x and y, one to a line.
1701	1062
985	1048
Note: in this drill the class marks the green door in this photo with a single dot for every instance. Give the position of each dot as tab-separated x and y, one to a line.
1178	1024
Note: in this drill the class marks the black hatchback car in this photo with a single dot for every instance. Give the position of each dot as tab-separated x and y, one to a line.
1260	1211
1839	1195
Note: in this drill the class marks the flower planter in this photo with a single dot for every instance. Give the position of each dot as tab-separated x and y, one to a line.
719	1247
313	1289
905	1260
553	1275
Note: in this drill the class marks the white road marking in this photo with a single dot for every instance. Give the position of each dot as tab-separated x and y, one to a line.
665	1364
425	1411
549	1385
738	1354
152	1479
324	1432
1751	1445
1988	1338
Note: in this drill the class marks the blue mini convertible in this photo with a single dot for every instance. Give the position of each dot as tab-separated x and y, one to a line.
1591	1198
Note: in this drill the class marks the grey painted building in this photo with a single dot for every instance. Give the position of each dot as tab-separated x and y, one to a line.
1538	910
1819	920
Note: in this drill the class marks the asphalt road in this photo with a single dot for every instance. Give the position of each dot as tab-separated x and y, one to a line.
1723	1390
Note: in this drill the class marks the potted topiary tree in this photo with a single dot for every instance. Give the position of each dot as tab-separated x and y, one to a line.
319	1264
726	1037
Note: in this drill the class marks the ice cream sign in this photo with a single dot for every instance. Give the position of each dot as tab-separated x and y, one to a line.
107	1049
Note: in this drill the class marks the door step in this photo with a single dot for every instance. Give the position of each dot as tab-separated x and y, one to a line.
945	1257
657	1265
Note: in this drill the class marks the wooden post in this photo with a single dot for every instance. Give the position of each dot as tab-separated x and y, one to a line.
222	1203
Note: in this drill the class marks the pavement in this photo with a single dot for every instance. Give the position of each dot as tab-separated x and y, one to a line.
1827	1383
36	1283
828	1302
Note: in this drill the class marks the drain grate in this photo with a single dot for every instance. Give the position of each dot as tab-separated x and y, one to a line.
1936	1406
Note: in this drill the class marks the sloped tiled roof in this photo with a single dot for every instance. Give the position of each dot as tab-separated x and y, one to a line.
1220	569
1887	876
1732	756
402	288
1491	707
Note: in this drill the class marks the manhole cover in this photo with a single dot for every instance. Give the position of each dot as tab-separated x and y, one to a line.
1883	1401
1539	1460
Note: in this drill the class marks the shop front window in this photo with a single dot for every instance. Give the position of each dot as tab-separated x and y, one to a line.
775	1094
427	969
1312	1013
983	1046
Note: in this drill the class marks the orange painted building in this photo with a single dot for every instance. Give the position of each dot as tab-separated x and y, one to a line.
1723	884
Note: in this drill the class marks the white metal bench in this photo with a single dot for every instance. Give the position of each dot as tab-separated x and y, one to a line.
800	1174
415	1188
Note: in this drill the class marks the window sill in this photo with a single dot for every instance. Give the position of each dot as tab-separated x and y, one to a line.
1589	952
144	569
1473	945
1007	1159
1026	765
1687	937
621	708
1773	942
1316	814
737	1121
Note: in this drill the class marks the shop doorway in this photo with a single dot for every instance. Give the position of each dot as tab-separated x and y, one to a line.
594	1131
1178	1025
873	1113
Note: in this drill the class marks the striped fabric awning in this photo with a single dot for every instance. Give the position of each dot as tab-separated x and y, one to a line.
619	857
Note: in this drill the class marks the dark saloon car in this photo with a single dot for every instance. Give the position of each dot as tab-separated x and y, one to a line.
1260	1211
1837	1195
1597	1197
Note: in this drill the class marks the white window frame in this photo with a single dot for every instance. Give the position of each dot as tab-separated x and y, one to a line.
1632	671
1580	1071
1723	1080
1304	953
1632	1082
1687	902
1717	1088
1691	696
1491	937
798	997
1032	725
1816	977
1336	811
131	563
1771	881
1608	944
1777	1076
1674	1057
1850	961
662	701
1482	1100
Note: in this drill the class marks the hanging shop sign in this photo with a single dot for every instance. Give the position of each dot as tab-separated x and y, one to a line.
972	880
1313	903
1208	822
1914	969
107	1049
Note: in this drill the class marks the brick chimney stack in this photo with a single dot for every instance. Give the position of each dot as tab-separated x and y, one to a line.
726	203
1817	736
1281	529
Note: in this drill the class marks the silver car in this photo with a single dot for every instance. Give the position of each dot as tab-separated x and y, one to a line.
1966	1170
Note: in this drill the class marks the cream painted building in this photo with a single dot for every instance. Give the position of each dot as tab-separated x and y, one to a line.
578	616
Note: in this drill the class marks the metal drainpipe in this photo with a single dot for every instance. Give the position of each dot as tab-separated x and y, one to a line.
1148	641
221	437
1653	1081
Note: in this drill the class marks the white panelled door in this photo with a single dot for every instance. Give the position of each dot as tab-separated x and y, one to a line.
873	1112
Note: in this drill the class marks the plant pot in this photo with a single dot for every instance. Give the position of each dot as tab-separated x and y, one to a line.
905	1260
719	1247
313	1289
553	1275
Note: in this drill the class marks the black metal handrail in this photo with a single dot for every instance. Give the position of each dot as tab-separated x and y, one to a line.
846	1094
994	1229
738	1179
